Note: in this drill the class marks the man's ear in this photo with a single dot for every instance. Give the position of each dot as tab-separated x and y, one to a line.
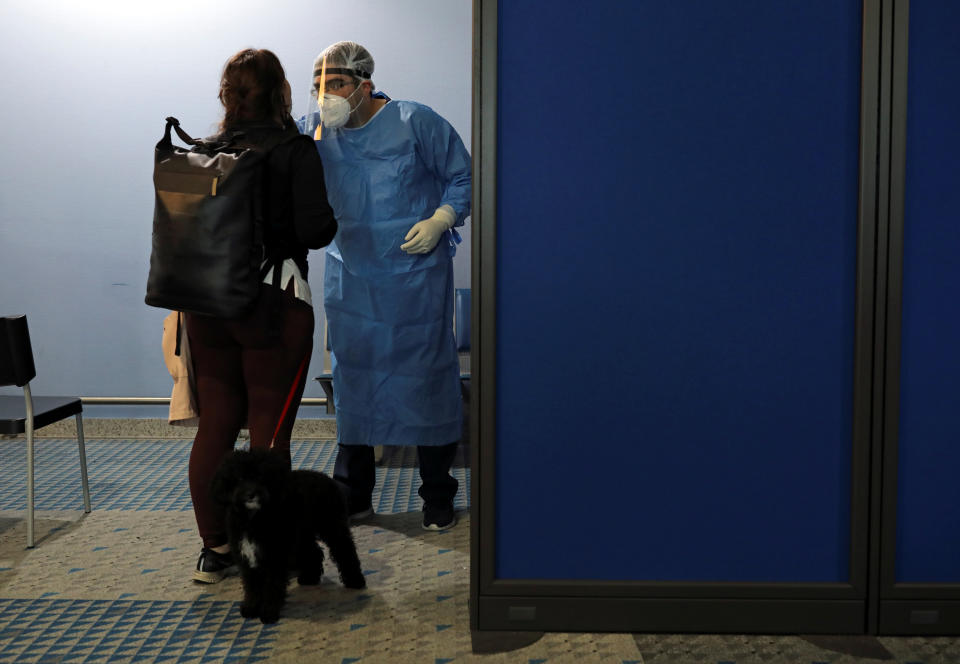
367	87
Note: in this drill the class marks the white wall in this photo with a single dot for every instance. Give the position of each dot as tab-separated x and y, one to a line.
86	88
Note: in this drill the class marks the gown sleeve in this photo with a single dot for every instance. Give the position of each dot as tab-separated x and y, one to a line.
446	157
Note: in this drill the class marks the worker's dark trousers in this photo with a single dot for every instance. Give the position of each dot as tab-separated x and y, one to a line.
355	469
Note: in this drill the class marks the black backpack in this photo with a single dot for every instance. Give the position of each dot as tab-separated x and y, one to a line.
208	223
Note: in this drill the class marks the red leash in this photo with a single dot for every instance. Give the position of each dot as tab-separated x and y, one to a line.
286	406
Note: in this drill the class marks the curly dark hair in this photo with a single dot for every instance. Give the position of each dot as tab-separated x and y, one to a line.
251	88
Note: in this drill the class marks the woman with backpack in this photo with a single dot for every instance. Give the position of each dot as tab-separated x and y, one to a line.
252	369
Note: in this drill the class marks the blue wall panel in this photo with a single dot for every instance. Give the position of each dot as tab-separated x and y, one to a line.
928	489
676	246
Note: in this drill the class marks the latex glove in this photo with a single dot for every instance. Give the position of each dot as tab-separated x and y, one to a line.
424	235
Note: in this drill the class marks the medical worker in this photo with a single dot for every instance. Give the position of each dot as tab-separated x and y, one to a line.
398	178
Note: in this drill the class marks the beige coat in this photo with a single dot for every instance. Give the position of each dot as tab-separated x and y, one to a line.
183	399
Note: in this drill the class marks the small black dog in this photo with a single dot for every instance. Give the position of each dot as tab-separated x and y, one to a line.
274	517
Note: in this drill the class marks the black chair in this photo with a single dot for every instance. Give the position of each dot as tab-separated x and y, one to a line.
326	378
26	414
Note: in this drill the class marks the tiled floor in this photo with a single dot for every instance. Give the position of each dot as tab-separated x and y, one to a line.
150	475
114	585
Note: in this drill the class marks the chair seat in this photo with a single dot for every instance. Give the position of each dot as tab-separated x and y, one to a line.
46	410
326	382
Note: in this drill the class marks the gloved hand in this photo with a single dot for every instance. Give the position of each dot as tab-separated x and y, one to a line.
424	235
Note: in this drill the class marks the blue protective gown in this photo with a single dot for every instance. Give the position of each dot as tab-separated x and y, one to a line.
396	373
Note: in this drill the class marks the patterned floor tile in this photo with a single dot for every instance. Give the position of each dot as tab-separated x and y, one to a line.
115	586
117	469
128	630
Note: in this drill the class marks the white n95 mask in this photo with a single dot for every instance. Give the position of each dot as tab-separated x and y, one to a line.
335	110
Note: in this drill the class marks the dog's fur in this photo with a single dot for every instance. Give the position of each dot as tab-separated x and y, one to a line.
274	517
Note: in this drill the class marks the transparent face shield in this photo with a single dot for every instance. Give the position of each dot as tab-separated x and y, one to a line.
311	119
328	109
318	89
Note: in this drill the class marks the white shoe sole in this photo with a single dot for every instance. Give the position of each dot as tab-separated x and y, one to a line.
214	577
436	528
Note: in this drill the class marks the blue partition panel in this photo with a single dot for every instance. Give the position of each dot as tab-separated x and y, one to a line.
928	483
676	247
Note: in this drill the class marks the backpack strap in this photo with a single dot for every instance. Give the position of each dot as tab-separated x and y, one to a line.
210	144
184	136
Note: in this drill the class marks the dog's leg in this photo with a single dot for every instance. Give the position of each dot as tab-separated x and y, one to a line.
252	581
274	591
309	560
264	575
344	554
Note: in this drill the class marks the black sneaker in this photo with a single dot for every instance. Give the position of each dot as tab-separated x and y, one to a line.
439	518
213	567
360	515
359	512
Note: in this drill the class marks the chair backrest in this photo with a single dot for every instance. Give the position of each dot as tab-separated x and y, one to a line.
327	362
16	353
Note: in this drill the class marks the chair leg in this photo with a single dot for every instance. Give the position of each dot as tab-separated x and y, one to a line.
30	482
83	465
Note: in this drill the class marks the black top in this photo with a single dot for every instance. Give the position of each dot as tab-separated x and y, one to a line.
297	216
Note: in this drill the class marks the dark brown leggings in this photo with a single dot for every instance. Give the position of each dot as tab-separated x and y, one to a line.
245	373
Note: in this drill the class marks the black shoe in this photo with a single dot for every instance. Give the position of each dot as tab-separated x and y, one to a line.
439	518
361	514
359	511
213	567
